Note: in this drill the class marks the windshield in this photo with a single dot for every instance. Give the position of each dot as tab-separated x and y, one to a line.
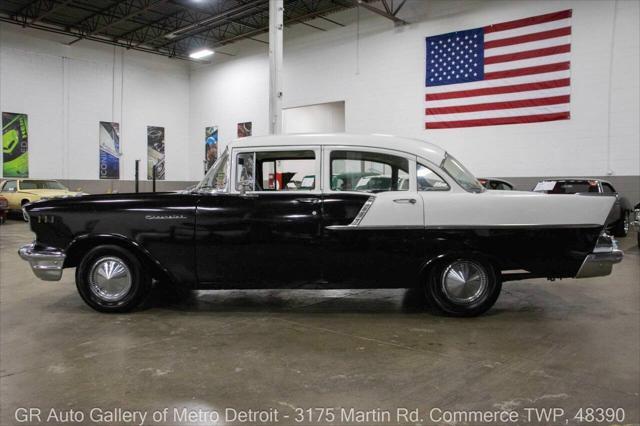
41	184
216	177
460	174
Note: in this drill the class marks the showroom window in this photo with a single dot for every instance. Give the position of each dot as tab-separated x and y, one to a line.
428	180
368	172
276	171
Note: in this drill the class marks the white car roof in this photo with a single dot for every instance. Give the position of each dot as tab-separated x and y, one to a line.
417	147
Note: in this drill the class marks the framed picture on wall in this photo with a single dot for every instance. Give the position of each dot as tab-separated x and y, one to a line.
210	146
244	129
109	154
155	152
15	145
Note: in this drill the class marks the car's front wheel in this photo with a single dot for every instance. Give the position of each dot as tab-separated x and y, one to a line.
112	279
463	286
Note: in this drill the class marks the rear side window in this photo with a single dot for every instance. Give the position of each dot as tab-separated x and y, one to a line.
9	185
607	188
575	187
276	171
368	172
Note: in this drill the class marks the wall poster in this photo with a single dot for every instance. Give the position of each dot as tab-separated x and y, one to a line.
210	146
244	129
15	145
109	139
155	152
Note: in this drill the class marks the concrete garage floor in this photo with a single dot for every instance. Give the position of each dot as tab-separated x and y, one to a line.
568	344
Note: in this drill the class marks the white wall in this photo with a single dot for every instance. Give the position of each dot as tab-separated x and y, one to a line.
67	90
381	79
319	118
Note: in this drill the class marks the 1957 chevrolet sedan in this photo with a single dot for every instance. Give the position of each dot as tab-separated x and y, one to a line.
280	212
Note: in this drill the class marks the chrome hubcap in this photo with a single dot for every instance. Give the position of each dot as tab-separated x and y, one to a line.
110	279
464	281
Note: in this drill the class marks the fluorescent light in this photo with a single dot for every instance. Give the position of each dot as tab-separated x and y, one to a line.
199	54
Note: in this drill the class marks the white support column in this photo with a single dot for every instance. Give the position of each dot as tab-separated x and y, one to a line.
276	8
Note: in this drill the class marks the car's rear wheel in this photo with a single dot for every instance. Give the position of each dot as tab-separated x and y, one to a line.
463	286
112	279
621	228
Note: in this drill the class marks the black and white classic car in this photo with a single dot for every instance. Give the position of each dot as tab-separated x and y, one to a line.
322	211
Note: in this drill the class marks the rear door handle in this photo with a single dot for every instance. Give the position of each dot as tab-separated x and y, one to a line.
308	200
405	200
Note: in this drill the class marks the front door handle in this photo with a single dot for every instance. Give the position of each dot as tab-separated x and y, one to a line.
405	200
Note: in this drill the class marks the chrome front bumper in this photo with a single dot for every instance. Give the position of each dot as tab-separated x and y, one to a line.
601	261
45	264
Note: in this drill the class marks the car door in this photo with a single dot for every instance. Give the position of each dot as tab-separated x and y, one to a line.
373	236
265	232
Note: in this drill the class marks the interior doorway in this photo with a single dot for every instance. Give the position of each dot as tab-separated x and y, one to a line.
318	118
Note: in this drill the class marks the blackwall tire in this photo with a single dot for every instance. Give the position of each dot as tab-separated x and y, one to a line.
621	228
464	286
111	279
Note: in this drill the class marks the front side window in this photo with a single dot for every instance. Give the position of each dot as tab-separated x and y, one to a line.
460	174
277	171
428	180
368	172
216	177
41	184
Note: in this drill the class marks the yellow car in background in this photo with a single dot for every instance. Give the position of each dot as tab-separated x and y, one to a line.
19	192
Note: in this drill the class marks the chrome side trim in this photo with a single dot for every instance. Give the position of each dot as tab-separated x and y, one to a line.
600	262
356	221
46	265
380	228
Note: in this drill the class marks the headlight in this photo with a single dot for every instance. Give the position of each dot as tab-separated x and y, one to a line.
25	215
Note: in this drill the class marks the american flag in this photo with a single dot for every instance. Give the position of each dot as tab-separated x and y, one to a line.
508	73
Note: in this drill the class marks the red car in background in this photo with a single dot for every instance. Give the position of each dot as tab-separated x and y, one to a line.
4	209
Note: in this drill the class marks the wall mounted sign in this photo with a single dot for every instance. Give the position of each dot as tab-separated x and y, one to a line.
109	155
15	145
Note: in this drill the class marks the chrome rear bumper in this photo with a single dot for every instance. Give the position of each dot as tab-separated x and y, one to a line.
45	264
601	261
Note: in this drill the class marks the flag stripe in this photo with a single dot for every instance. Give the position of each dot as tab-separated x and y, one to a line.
501	97
554	16
543	35
499	90
528	70
554	50
531	62
539	44
527	30
552	100
499	120
500	82
511	112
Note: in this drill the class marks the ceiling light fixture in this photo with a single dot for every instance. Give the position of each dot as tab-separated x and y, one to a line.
202	53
